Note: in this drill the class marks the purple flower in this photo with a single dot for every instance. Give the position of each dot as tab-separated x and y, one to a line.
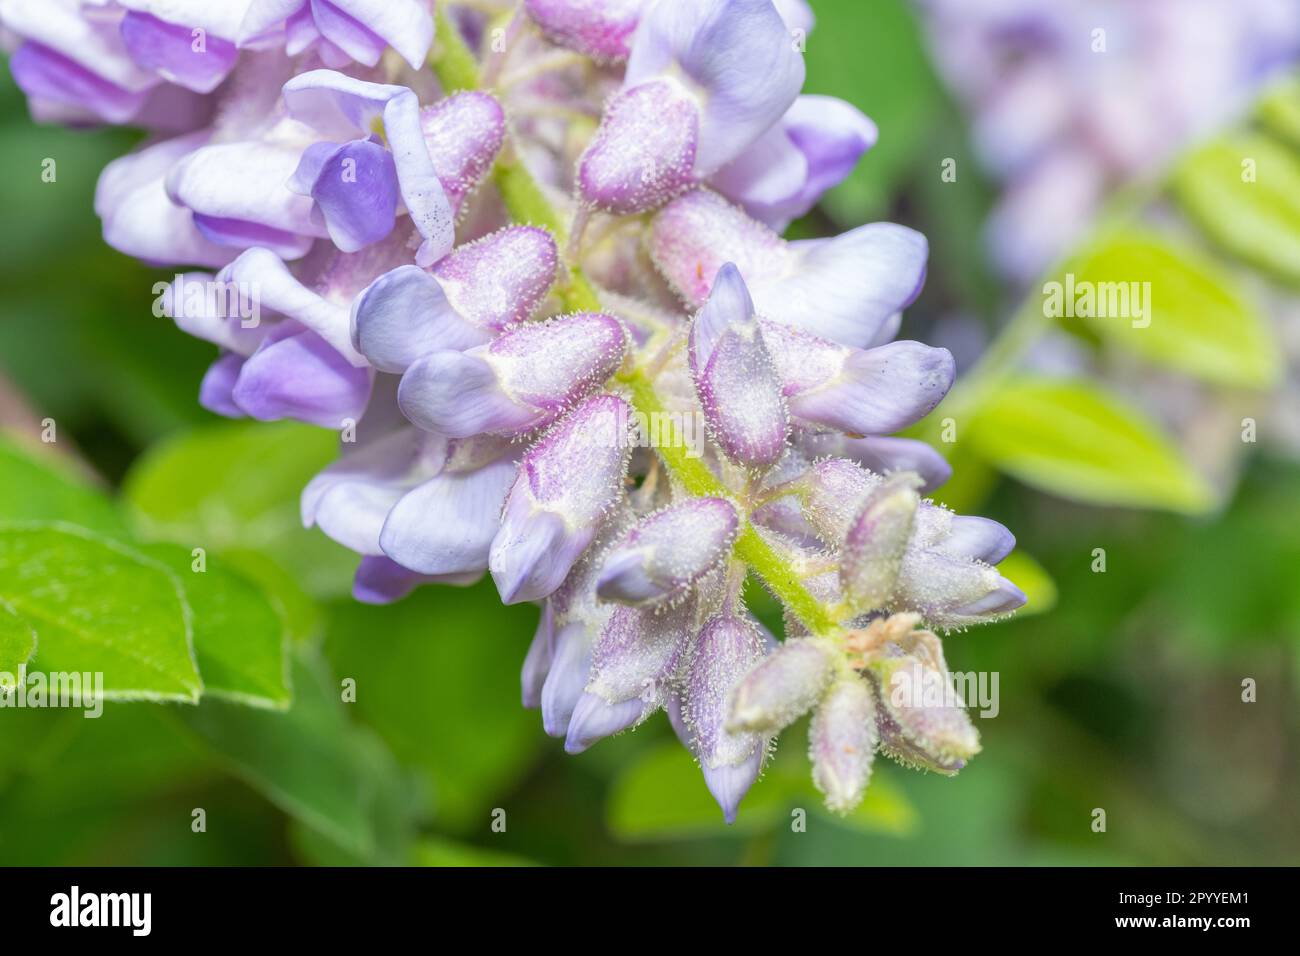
624	431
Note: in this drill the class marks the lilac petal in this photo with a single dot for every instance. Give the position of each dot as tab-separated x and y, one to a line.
463	133
537	662
446	525
168	50
501	278
1000	601
458	394
341	107
718	44
278	290
883	455
355	186
405	314
569	480
46	74
816	145
643	153
844	289
351	498
696	234
380	581
728	304
877	540
218	384
301	376
978	538
139	218
796	14
405	25
238	195
594	719
729	784
348	34
880	390
567	678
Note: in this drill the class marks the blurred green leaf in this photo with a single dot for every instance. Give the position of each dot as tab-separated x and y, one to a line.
1074	440
1280	110
46	488
872	55
434	851
438	677
17	644
100	607
309	760
239	638
1195	319
1032	578
236	486
663	797
1245	193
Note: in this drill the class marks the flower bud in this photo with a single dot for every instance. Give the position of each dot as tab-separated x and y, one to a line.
874	547
667	552
567	481
784	686
953	592
463	133
523	379
735	378
920	722
643	152
842	742
727	647
600	29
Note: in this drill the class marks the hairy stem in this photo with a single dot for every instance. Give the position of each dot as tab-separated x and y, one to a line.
457	69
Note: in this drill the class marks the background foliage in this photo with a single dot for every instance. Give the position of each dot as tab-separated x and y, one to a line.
1121	692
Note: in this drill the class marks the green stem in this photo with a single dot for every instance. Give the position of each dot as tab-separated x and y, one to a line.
457	69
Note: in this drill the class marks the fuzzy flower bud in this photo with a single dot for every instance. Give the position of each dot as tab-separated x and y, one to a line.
874	547
667	552
566	483
842	742
783	687
920	723
734	376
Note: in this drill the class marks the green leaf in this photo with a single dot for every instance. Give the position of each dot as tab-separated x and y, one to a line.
237	486
1193	318
1280	110
44	487
309	760
663	797
17	644
1245	193
239	637
100	607
434	851
1032	578
1071	439
438	677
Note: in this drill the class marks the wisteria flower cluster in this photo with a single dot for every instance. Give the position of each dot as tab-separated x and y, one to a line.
515	256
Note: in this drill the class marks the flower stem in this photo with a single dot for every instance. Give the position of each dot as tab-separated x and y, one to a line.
457	69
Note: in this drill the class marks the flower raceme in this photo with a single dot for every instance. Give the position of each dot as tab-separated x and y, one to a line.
485	273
